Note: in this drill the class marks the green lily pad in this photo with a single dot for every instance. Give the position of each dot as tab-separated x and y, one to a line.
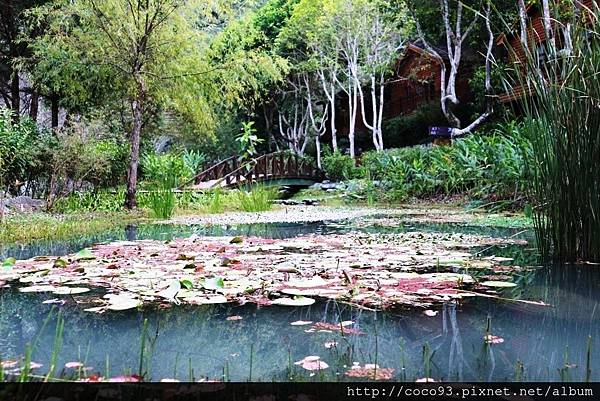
84	254
60	263
214	283
9	262
236	240
187	284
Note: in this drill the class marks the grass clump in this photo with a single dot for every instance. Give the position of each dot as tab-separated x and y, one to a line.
258	199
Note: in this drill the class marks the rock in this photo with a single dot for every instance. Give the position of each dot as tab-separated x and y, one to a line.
316	185
328	186
24	204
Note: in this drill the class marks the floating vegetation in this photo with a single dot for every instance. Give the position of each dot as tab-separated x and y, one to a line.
368	270
370	371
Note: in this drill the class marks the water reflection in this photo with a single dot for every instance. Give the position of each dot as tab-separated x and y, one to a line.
272	230
200	340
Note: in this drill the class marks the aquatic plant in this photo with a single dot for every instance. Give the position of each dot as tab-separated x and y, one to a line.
562	121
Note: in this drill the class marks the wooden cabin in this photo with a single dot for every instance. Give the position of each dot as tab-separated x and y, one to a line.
511	46
415	81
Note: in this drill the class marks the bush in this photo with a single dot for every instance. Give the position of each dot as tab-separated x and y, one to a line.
482	165
181	166
21	148
339	167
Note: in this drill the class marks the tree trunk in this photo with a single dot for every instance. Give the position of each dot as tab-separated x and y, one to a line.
134	160
548	24
334	144
15	94
34	106
523	21
54	111
137	106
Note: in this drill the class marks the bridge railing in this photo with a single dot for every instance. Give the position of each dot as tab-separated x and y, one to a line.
272	166
278	165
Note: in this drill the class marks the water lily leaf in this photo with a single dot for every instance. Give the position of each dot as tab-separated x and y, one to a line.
217	299
171	291
60	262
38	288
9	262
498	284
213	283
69	290
84	254
187	284
301	323
123	303
312	363
298	301
73	365
236	240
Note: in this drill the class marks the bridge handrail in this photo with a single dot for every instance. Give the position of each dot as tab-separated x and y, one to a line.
254	162
197	178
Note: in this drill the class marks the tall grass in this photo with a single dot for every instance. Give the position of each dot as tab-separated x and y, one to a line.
563	124
162	199
258	199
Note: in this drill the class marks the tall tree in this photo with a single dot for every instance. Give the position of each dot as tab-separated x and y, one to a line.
456	35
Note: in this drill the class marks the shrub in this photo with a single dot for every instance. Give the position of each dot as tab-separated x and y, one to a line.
339	167
490	164
181	166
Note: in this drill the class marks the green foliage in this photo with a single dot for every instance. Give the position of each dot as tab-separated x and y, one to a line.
258	199
21	148
175	166
413	128
162	200
563	124
248	140
486	166
338	167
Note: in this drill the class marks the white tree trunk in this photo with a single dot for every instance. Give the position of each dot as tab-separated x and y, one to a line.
523	21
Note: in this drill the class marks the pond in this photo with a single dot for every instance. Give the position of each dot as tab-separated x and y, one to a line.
238	343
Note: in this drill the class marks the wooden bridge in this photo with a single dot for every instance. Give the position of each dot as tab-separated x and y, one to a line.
280	168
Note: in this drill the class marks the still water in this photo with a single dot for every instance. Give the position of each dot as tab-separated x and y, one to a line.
540	343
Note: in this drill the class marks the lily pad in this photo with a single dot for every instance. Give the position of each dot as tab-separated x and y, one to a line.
9	262
236	240
84	254
123	303
298	301
214	283
498	284
70	290
38	288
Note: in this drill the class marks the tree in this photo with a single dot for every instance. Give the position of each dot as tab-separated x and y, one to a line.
13	15
149	50
456	35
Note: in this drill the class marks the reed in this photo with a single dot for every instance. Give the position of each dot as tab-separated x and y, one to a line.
562	121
